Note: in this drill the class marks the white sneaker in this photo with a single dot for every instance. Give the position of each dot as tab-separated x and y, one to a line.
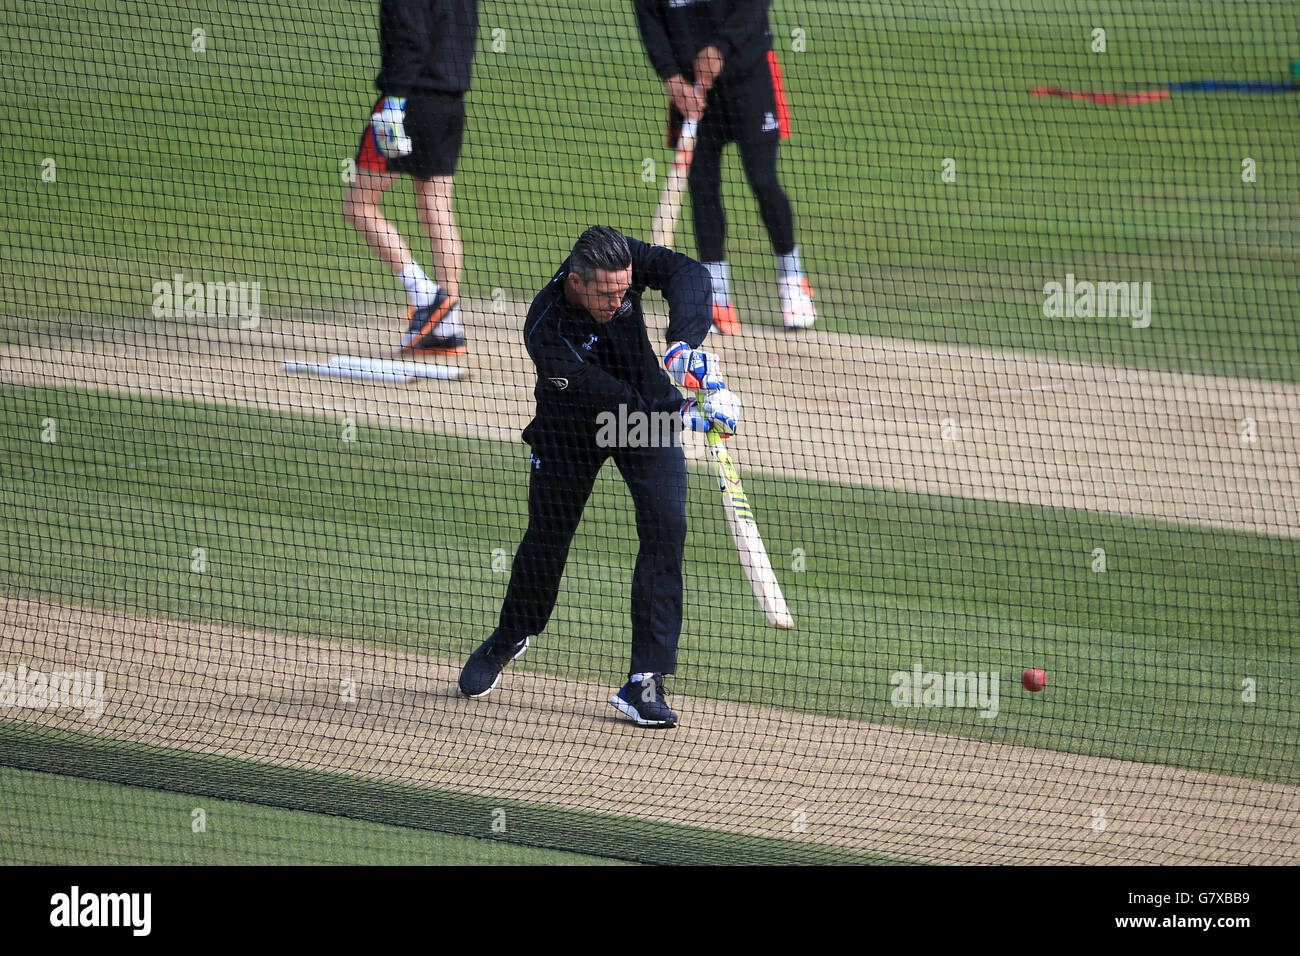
797	310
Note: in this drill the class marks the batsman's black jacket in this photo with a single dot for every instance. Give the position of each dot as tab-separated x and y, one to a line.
584	368
675	31
426	45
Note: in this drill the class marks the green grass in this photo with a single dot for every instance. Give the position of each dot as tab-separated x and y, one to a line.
390	540
225	165
54	820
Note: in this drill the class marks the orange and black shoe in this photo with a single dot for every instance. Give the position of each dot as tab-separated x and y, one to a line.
423	335
725	319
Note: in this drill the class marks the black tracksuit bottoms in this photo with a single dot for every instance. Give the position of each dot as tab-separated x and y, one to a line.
562	473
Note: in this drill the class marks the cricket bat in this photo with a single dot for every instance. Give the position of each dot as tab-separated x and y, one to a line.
744	528
670	200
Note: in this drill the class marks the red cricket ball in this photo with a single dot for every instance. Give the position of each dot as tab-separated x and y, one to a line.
1035	679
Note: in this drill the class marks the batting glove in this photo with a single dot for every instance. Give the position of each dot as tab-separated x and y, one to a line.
389	126
692	418
690	368
718	409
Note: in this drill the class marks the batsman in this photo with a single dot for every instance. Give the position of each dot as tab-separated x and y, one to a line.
586	334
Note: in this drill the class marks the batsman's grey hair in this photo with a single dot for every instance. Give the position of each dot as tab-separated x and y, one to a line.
599	249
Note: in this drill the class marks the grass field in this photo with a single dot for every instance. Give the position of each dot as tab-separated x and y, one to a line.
308	534
55	820
228	163
232	166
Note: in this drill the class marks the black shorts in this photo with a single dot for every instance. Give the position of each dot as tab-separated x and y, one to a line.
436	124
750	109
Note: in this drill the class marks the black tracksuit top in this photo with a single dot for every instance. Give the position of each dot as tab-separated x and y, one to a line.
585	367
426	45
674	31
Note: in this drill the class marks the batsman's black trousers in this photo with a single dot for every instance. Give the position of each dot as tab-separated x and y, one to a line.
562	472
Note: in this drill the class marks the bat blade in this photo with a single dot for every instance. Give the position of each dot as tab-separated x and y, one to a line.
669	210
758	568
744	529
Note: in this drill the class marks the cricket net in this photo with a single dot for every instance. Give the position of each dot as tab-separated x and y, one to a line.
1027	477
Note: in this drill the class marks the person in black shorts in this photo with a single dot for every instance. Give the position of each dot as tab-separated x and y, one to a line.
716	58
602	393
416	128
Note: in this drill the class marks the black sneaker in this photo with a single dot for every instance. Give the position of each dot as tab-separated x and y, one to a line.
644	702
483	669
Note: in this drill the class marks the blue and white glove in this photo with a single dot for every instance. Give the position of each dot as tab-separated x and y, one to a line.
718	409
692	369
389	126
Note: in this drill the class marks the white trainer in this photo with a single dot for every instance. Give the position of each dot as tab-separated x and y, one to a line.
797	309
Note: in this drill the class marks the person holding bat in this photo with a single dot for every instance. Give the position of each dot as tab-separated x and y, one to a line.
586	334
415	129
716	60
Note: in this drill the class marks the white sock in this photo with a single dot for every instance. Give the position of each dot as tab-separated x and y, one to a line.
419	286
720	272
642	678
789	266
450	324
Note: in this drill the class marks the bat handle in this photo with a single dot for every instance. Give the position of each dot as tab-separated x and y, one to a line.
714	433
